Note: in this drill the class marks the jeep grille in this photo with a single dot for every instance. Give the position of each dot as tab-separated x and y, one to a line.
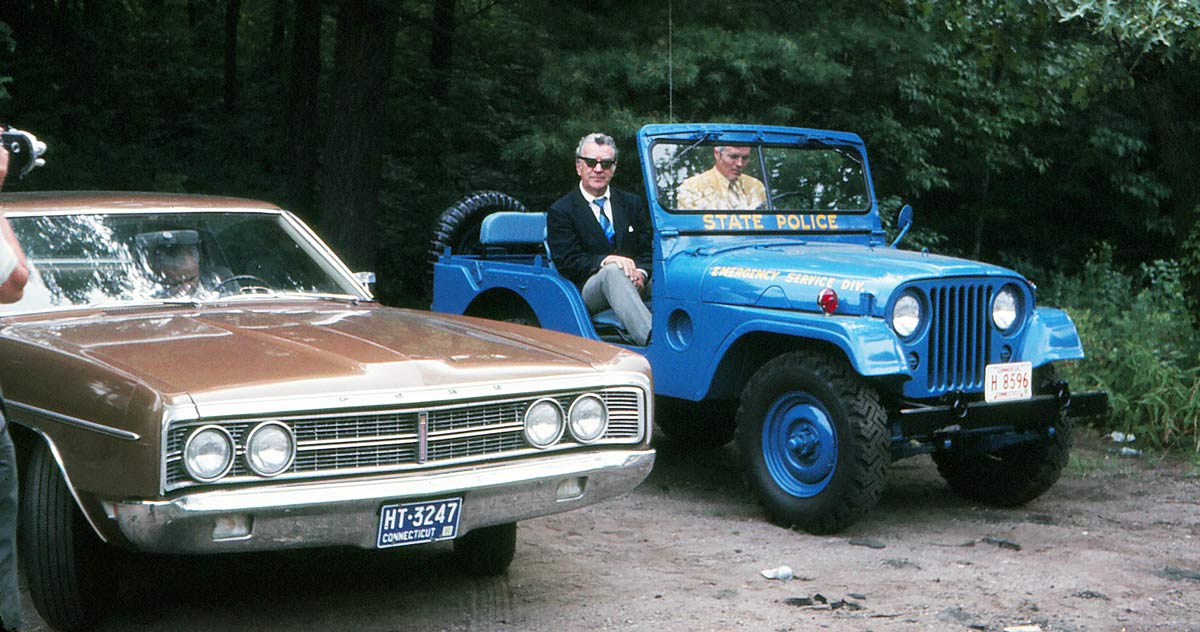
959	336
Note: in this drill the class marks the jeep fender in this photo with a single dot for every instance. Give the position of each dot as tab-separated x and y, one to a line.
467	287
868	344
1050	336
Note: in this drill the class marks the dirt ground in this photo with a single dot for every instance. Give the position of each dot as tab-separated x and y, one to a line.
1115	545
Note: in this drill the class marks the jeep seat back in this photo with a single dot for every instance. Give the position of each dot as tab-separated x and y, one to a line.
514	233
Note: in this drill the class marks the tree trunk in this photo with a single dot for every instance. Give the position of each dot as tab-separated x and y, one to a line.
301	138
278	20
233	13
353	157
1165	94
441	48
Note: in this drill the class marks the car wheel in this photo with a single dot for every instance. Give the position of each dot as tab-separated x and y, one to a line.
815	441
487	551
69	570
1015	474
694	425
458	225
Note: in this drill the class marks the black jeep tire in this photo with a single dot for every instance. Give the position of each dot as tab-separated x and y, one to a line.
488	551
694	425
458	225
1014	475
71	573
815	442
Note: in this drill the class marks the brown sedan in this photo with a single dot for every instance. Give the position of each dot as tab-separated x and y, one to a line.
200	375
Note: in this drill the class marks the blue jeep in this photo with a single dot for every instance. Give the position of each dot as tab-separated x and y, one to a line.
796	327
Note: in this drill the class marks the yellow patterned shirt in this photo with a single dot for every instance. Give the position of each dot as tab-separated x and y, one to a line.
712	191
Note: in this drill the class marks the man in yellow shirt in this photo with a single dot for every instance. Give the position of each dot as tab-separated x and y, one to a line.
724	187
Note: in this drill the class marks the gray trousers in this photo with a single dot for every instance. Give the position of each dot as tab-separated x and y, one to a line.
10	599
610	288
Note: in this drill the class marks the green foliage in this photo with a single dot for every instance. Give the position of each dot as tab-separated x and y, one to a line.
1141	346
1170	28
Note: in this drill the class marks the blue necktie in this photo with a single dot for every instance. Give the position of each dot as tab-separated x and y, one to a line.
605	225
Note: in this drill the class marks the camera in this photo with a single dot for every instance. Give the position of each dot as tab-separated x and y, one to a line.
24	150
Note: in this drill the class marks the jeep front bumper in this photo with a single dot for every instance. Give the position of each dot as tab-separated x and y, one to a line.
1040	411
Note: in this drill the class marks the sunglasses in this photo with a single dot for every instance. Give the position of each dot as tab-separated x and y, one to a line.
592	162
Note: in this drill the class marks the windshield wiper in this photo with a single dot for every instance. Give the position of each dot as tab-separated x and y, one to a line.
703	137
335	298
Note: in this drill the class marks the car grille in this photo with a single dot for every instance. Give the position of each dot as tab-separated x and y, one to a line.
379	441
959	336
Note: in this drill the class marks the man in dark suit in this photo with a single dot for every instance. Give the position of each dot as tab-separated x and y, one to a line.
599	238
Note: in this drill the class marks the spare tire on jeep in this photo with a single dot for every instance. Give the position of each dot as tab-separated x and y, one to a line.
458	225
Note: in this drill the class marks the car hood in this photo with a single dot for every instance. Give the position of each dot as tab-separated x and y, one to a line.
789	276
215	354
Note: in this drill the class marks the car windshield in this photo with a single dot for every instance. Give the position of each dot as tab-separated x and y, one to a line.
107	259
813	178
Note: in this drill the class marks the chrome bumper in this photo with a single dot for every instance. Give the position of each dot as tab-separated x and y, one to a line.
346	513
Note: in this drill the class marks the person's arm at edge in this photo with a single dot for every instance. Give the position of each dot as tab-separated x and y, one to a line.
14	286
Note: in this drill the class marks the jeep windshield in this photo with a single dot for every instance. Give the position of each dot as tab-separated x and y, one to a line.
107	259
707	177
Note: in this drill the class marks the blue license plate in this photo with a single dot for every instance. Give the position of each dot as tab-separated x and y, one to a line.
418	523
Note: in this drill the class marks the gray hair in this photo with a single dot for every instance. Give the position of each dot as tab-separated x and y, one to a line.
599	139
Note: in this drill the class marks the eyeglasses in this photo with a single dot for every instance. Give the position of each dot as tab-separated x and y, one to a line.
591	163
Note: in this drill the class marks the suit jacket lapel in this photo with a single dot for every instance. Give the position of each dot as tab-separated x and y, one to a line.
620	222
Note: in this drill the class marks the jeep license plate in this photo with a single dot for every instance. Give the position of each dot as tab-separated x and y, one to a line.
418	523
1008	382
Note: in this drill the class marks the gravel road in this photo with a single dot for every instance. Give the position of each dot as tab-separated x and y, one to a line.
1115	545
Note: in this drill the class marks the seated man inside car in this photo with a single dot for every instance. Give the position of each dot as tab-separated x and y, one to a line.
724	187
173	259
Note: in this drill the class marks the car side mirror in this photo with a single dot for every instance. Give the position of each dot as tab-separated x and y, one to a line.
903	222
365	279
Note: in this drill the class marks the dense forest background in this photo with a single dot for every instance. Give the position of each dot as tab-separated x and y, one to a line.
1059	137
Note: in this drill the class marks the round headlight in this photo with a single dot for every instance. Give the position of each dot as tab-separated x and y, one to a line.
543	423
270	448
906	314
1005	308
208	453
588	418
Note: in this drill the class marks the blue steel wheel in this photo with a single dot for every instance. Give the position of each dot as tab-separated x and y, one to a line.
800	444
814	438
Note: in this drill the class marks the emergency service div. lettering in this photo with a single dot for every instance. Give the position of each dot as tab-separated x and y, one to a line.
794	278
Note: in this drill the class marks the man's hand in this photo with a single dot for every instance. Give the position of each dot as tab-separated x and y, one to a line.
3	166
628	267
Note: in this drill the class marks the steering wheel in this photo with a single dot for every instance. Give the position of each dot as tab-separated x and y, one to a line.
777	197
260	286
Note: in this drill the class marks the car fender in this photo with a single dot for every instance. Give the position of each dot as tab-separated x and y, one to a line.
91	511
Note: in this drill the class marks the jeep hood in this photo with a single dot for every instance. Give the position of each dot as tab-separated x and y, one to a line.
789	276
